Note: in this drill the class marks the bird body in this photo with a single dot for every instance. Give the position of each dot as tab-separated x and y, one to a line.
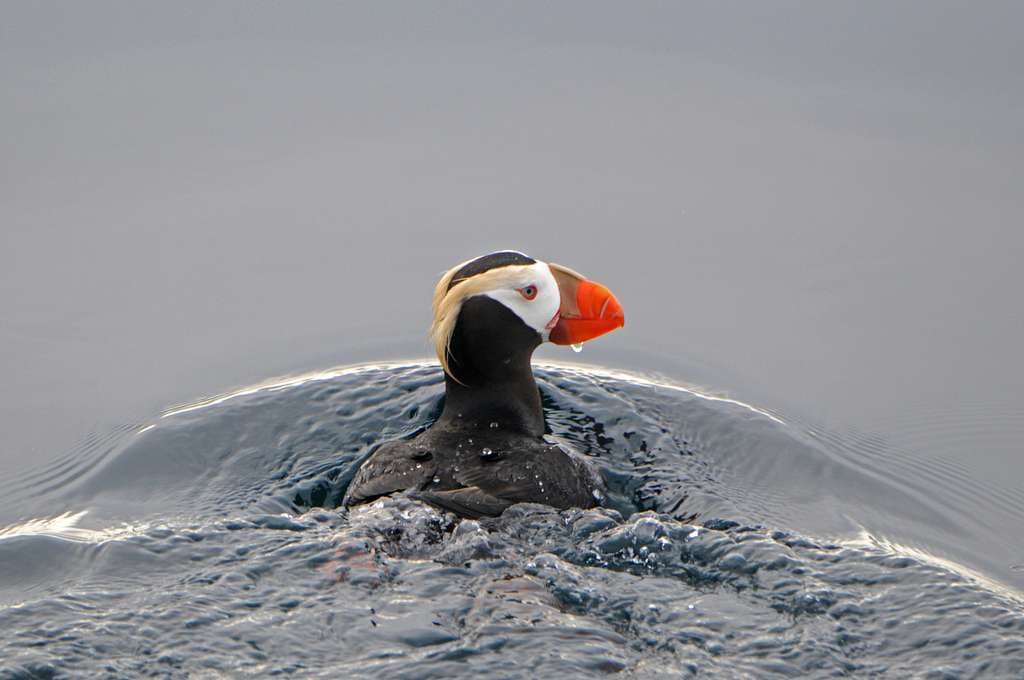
487	450
475	472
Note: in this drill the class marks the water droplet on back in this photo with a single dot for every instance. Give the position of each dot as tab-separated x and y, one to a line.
486	454
494	426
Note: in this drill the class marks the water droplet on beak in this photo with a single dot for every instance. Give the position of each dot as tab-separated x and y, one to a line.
577	347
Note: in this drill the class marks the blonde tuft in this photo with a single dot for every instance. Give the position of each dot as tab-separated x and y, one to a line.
447	304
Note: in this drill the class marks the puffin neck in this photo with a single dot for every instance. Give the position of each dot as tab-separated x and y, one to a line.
489	355
507	402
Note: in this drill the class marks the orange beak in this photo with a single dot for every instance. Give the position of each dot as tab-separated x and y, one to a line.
588	309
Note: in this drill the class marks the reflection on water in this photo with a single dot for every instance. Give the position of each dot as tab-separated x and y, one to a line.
733	542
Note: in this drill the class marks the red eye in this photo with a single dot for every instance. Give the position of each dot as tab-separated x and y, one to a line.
529	292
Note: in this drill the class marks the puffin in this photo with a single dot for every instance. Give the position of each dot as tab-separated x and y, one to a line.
487	449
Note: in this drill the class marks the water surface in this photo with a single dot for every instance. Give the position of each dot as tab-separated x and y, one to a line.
731	544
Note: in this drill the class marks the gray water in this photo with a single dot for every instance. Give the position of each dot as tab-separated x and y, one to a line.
214	544
812	210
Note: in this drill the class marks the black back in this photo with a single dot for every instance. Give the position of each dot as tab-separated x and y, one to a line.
477	473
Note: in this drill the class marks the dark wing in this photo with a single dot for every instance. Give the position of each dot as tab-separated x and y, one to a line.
389	469
538	473
468	501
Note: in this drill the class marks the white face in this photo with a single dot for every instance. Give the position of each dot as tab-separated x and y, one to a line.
531	292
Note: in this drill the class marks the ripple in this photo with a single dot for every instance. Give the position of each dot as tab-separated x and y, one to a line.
736	542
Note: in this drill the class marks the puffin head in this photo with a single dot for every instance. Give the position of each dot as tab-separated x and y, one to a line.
492	312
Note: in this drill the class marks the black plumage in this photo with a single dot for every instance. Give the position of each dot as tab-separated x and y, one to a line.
476	473
487	449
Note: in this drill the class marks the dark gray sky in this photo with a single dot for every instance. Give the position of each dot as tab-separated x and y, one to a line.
815	206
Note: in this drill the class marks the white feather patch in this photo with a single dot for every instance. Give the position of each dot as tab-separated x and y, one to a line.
535	313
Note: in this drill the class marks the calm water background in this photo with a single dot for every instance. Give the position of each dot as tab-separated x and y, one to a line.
814	209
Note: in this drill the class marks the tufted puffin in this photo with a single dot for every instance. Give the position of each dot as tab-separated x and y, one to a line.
487	450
